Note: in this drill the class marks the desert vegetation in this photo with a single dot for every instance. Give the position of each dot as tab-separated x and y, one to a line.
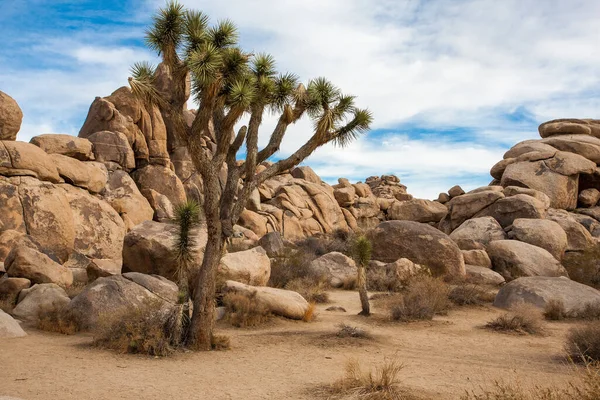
520	319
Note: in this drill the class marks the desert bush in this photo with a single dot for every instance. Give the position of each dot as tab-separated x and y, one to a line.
294	264
313	290
379	280
310	314
59	321
423	298
590	311
583	342
220	342
465	293
522	319
349	283
339	240
555	310
150	329
379	383
245	310
346	331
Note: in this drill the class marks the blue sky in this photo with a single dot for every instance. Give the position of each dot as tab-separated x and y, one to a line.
452	83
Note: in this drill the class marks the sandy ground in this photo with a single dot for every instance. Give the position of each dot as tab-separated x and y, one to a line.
288	360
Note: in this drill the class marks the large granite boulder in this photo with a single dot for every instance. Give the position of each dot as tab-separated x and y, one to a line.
513	259
38	300
11	117
483	275
87	175
285	303
116	294
123	195
25	159
570	126
417	210
584	145
112	147
477	257
463	208
539	290
578	237
162	180
11	287
251	267
66	145
541	233
335	267
506	210
420	243
28	263
9	328
481	230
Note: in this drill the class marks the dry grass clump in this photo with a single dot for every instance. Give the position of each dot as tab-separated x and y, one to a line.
555	310
379	383
590	312
379	280
58	321
220	342
583	342
339	240
245	310
423	298
311	289
349	283
348	331
465	293
310	314
294	264
521	319
150	329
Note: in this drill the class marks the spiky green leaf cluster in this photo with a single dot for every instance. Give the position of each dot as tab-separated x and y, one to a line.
187	217
361	251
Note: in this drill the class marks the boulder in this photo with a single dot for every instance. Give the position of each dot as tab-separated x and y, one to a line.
25	262
98	268
417	210
11	238
116	294
285	303
66	145
442	198
528	146
306	173
123	195
541	233
578	237
162	180
335	267
455	191
164	211
513	259
345	195
539	290
99	230
420	243
24	159
478	258
11	287
88	175
273	244
466	206
255	222
515	190
483	275
589	197
481	230
252	267
584	145
112	147
9	328
157	285
506	210
40	299
498	169
148	248
11	117
570	127
401	270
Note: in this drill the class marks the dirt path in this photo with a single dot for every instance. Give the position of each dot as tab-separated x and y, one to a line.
287	360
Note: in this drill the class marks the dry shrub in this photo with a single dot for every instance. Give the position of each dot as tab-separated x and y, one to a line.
339	240
244	310
310	313
583	342
522	319
380	383
353	332
465	293
220	342
349	283
555	310
423	298
379	280
294	264
59	321
150	329
311	289
590	312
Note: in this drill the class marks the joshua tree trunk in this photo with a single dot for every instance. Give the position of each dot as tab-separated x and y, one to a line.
362	291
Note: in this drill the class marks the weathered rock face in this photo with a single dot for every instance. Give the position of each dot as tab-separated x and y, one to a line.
115	294
388	187
335	267
87	175
538	291
164	210
464	207
11	238
417	210
39	300
589	197
123	195
9	328
10	287
11	117
478	258
306	173
161	180
541	233
481	230
513	259
420	243
112	147
66	145
578	238
483	275
251	267
273	244
285	303
24	159
25	262
148	248
506	210
570	127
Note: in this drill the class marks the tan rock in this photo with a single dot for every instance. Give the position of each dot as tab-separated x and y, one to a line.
345	196
481	230
467	206
162	180
24	159
11	287
541	233
578	238
515	190
527	146
306	173
478	258
164	211
335	267
483	275
112	147
570	127
25	262
88	175
251	267
589	197
455	191
506	210
124	196
39	300
9	328
584	145
67	145
417	210
11	117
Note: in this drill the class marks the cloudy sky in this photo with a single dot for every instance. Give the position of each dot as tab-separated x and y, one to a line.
452	83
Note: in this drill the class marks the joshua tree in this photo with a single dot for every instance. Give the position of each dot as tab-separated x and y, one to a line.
362	255
228	83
